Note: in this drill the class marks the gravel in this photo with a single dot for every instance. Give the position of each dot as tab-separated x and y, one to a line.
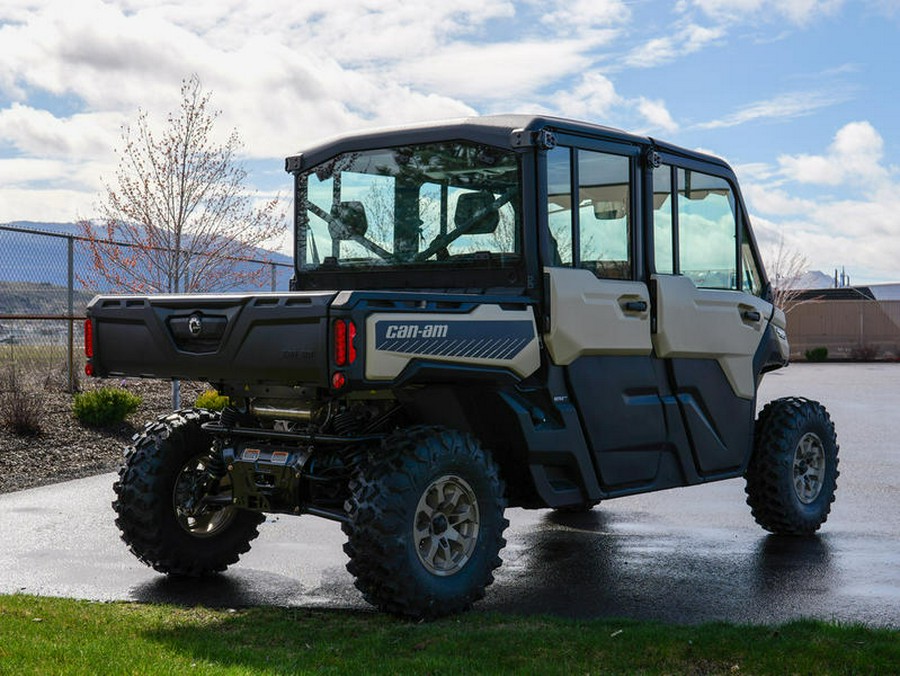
65	449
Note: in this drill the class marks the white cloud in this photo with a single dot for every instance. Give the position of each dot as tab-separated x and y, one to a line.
653	53
39	132
597	20
493	71
858	226
789	105
684	39
591	98
797	11
48	205
854	157
656	113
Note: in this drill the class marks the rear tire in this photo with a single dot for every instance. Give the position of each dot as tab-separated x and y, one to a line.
426	523
158	514
792	474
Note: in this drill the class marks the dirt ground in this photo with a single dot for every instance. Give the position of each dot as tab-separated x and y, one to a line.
65	449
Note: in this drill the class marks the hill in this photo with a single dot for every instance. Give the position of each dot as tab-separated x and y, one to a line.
29	257
40	298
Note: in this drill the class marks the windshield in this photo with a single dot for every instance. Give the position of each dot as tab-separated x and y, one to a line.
416	205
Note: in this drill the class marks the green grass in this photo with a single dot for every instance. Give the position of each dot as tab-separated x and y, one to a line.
31	356
40	364
61	636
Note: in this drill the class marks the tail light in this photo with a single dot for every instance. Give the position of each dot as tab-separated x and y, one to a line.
344	342
88	338
88	347
344	349
351	342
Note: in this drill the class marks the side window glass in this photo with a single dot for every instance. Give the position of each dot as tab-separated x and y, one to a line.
559	205
663	240
604	214
751	277
706	230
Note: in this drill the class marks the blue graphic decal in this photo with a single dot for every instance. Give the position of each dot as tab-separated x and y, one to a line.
455	338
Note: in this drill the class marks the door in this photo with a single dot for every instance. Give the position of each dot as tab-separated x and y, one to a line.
709	320
599	330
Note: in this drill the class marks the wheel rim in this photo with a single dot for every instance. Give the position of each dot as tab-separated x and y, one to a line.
809	468
193	515
446	525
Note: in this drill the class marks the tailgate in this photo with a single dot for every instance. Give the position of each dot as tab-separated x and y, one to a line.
278	338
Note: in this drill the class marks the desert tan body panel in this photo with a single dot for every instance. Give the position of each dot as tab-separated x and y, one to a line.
724	325
487	336
589	316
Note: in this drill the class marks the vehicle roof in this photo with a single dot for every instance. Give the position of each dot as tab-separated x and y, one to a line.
498	130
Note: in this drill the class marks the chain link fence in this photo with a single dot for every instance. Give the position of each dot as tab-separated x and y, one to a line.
43	301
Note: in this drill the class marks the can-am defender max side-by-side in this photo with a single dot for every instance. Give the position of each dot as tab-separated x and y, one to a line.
493	312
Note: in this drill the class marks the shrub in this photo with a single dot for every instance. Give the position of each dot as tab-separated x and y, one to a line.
817	354
864	353
105	406
211	400
20	411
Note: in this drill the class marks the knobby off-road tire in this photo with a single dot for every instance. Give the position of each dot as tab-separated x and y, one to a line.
426	523
154	488
792	474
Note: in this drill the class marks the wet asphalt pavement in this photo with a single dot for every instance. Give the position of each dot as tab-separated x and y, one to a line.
686	555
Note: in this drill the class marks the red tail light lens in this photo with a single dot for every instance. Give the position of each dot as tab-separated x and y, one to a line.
351	347
340	342
88	338
344	346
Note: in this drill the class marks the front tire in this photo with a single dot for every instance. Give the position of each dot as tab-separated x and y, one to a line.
792	474
426	523
159	500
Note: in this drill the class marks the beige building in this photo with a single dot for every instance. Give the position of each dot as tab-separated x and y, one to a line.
857	322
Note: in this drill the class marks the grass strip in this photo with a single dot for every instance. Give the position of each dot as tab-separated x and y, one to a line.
40	635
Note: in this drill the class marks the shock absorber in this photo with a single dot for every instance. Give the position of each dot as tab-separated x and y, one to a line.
215	465
229	417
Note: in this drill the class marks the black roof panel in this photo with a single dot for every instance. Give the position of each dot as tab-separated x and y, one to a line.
495	130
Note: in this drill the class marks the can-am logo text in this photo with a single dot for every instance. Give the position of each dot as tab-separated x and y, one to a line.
416	331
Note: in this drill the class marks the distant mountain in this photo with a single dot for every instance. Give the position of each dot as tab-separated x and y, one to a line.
43	258
31	298
814	279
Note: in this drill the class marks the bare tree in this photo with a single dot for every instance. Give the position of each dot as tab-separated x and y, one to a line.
785	266
179	202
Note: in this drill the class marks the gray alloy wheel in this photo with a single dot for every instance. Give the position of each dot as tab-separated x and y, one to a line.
446	525
192	515
809	468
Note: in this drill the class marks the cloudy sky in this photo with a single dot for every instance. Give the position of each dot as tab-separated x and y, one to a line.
802	97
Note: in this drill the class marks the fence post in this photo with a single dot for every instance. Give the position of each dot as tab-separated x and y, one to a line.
70	352
274	276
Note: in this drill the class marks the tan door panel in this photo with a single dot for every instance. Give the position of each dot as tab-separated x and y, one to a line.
719	324
591	316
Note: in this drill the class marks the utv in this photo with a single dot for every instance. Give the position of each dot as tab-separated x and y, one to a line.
499	311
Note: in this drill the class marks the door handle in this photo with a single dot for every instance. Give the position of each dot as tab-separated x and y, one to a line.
635	306
751	315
